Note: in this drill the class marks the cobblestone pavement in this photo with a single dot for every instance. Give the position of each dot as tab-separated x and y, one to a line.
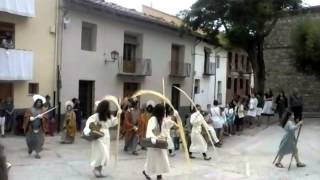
244	157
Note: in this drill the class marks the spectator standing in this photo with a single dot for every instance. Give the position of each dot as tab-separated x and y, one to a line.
267	108
9	109
282	104
51	121
259	107
77	110
2	121
296	105
239	110
218	120
252	110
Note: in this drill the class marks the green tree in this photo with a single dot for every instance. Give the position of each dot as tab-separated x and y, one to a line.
305	39
245	24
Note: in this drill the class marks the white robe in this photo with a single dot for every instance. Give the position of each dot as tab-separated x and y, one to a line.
167	124
100	148
252	107
198	143
218	119
157	161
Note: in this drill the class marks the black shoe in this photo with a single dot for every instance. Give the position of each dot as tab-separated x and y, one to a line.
135	153
29	152
37	156
207	158
218	145
299	165
146	175
159	177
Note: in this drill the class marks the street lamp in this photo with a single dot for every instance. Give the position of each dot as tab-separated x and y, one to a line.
114	56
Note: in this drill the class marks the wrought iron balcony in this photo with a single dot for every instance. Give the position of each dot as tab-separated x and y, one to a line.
180	69
210	69
136	67
16	64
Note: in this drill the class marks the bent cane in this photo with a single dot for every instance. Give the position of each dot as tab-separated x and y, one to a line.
295	146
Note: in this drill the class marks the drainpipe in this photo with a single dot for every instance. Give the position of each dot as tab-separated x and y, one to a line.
58	55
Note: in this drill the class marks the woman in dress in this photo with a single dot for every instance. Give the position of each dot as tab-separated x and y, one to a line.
100	148
267	108
239	111
157	162
252	110
198	143
288	143
69	125
282	104
218	118
35	126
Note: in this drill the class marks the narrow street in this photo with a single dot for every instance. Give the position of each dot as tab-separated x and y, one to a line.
247	157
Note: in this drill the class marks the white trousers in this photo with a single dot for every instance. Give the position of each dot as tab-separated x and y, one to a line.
213	134
2	124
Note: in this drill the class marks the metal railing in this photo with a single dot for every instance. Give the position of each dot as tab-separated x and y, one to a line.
210	69
180	69
136	67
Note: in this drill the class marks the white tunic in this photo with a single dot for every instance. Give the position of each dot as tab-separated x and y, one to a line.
217	118
198	144
100	148
157	161
252	107
167	124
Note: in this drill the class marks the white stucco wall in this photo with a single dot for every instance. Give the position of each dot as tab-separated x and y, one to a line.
34	34
87	65
206	92
221	74
209	84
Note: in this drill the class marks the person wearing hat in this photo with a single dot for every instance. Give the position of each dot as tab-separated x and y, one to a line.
131	127
69	125
35	126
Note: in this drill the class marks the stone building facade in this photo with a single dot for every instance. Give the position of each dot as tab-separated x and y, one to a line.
279	60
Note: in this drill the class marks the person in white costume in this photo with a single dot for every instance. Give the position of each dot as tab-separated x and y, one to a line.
167	124
218	118
198	143
157	161
252	112
100	148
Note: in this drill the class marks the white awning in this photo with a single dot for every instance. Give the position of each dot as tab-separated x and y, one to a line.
16	64
18	7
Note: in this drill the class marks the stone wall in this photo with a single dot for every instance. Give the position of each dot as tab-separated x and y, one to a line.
279	60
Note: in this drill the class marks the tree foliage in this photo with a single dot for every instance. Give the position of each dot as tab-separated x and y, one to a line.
245	23
305	39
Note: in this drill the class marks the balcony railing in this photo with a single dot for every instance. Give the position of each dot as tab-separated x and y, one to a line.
210	69
136	67
21	7
16	64
180	69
